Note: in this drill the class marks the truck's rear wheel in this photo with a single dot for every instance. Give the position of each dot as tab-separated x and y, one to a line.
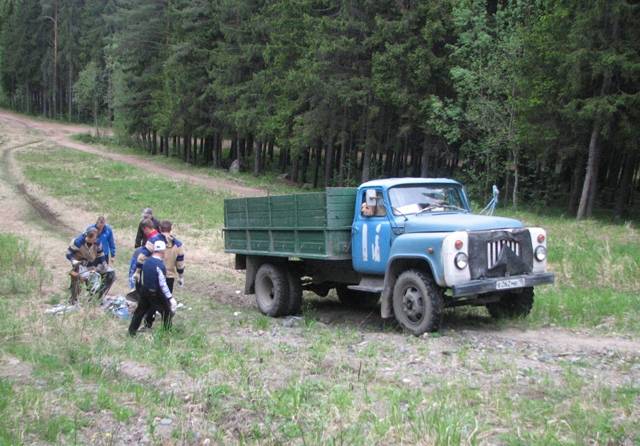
295	292
513	304
417	302
356	298
272	290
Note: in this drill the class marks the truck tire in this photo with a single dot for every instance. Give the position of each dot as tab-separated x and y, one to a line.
272	290
356	298
417	302
295	293
512	304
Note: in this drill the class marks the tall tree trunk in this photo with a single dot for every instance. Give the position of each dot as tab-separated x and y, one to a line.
328	161
306	158
249	146
623	194
366	159
70	92
388	160
242	149
95	116
316	164
234	152
257	152
54	93
154	139
516	178
219	149
295	168
424	162
574	192
343	158
591	174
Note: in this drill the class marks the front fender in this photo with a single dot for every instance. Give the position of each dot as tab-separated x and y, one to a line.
419	250
420	246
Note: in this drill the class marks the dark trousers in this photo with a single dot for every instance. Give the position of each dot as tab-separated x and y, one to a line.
150	317
150	302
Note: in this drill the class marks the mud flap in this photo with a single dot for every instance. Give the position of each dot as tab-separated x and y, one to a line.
386	304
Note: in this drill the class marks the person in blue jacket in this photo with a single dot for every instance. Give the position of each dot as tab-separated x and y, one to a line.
132	268
106	238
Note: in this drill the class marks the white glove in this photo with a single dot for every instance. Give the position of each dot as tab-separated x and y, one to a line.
181	281
174	305
75	262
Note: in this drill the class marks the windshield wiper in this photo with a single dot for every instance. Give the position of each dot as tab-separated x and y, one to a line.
453	206
400	212
440	205
427	208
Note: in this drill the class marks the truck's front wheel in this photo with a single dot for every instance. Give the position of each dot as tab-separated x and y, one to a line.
272	290
512	304
417	302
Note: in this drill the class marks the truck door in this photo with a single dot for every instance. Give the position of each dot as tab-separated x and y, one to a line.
371	233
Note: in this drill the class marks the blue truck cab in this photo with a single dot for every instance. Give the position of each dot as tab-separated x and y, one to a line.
410	244
416	241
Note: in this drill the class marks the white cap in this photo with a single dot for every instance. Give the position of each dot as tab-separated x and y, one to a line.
159	245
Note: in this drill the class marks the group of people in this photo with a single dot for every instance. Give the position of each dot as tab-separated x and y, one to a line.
157	263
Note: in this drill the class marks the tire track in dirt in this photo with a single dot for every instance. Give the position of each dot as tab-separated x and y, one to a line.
40	207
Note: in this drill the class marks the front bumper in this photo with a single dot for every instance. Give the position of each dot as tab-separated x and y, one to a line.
483	286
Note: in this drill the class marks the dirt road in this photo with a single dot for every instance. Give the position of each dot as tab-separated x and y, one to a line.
60	134
603	359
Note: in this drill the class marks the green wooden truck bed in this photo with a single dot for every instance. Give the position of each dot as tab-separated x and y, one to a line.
313	225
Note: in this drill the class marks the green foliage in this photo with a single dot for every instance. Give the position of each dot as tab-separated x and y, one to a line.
336	93
89	90
21	269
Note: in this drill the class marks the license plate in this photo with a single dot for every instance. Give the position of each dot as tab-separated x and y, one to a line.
507	284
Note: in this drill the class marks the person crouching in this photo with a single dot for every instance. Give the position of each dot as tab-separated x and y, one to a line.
154	292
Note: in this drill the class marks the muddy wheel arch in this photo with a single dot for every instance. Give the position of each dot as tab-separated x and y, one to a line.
395	268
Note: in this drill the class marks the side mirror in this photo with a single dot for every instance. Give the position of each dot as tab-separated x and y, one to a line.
371	197
491	206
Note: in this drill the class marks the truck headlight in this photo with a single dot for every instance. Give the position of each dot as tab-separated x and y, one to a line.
461	260
540	253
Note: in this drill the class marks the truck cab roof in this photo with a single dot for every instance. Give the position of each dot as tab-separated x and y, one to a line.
391	182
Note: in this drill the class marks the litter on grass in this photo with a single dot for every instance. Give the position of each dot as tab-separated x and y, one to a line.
116	305
61	309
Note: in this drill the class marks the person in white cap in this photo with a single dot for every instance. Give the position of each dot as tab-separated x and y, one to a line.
154	292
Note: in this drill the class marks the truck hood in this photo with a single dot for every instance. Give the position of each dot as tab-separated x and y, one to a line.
449	222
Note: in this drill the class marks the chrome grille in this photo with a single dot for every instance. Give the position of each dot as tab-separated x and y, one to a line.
494	248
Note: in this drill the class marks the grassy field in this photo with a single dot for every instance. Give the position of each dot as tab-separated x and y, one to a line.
78	379
268	181
232	376
597	266
121	191
597	263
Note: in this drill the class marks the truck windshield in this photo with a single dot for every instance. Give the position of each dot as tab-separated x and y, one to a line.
426	198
